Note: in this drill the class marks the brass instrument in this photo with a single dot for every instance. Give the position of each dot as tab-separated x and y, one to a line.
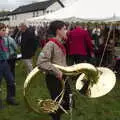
92	82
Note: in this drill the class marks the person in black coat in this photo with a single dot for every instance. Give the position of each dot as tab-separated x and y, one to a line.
28	39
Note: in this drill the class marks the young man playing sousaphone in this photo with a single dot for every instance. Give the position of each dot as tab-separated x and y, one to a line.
54	53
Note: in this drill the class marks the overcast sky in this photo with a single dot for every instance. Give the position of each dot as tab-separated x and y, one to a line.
95	6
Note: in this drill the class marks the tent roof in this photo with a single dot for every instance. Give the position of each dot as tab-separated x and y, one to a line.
112	19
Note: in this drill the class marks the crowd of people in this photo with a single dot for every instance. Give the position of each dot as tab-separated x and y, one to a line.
97	34
61	44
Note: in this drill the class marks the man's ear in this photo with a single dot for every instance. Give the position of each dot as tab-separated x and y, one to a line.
57	31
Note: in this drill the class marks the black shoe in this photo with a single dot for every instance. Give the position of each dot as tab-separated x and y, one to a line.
12	102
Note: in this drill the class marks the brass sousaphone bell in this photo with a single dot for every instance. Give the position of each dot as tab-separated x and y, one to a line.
99	80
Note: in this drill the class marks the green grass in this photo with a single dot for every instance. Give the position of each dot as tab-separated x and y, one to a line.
103	108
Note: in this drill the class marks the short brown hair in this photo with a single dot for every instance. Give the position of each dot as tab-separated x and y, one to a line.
54	26
2	25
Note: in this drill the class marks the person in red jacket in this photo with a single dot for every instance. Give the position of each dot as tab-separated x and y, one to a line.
79	46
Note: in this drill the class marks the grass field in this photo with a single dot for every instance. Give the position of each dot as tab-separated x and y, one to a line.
103	108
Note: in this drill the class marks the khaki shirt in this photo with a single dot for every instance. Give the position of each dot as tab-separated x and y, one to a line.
51	54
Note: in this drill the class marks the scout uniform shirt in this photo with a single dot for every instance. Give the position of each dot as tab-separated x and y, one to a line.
52	53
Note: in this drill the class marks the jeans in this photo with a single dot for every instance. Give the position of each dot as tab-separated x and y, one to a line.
6	73
11	63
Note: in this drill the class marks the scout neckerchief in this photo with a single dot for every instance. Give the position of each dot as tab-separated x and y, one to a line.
61	46
2	47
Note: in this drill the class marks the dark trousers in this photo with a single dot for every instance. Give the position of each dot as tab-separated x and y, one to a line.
76	59
11	63
6	73
117	66
54	86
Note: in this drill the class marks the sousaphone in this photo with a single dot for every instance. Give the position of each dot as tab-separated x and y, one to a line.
91	81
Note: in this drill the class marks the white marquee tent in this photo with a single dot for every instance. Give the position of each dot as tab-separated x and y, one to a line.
85	9
112	19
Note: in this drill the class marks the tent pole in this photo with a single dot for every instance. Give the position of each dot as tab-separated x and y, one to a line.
106	44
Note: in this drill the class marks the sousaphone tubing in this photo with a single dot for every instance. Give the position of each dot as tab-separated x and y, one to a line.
91	81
